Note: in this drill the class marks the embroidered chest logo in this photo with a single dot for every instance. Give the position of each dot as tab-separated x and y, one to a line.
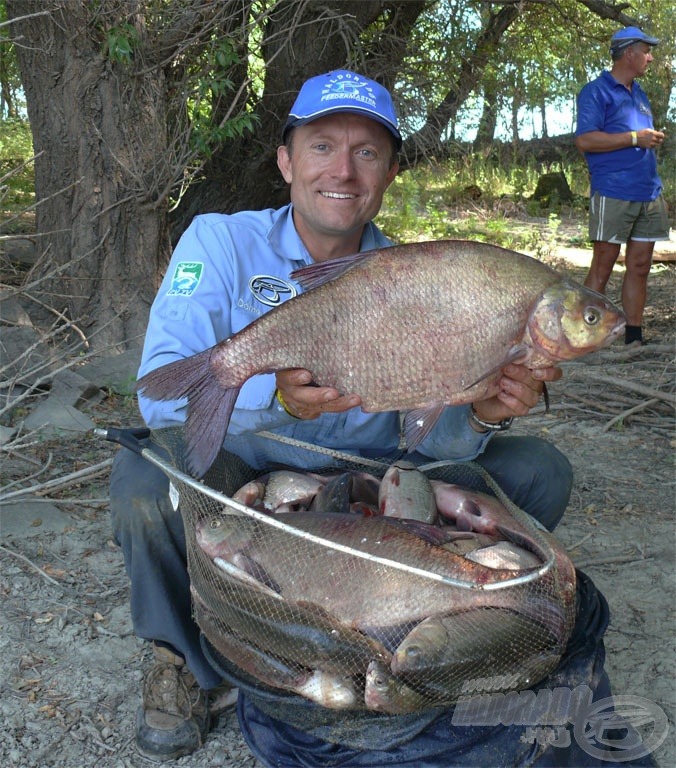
186	278
270	290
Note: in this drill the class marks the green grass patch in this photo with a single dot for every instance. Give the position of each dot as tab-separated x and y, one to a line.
475	199
17	181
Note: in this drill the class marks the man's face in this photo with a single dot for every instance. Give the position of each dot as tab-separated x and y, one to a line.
338	167
639	55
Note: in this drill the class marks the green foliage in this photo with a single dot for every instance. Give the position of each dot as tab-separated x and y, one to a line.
214	89
17	181
473	199
120	43
16	140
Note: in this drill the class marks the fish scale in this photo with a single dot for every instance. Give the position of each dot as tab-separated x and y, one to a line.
407	328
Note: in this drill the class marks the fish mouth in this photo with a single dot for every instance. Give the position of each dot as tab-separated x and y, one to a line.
614	333
617	329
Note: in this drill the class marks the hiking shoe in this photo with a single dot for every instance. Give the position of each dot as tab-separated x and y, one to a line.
174	718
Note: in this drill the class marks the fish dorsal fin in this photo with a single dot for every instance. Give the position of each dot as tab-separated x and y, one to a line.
517	354
314	275
419	422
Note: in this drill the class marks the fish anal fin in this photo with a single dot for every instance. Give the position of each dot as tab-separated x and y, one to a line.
419	422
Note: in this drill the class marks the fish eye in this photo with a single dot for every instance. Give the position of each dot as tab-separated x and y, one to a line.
592	316
215	523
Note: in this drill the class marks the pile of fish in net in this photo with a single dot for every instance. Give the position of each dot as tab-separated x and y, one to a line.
365	586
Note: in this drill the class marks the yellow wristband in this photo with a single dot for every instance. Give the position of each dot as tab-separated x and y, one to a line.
280	400
634	138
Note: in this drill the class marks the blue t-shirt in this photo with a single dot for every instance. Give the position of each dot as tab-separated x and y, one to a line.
228	270
629	173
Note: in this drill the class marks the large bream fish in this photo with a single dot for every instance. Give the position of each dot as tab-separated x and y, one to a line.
408	328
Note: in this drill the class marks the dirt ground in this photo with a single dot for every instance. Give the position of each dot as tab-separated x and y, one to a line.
71	667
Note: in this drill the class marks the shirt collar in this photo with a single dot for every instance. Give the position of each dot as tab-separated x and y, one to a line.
285	240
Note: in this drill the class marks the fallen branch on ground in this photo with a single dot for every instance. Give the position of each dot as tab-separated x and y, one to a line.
613	560
32	565
60	482
667	397
621	416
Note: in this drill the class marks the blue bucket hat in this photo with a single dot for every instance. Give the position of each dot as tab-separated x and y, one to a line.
343	91
628	36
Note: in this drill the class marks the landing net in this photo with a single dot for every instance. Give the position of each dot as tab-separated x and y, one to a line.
362	613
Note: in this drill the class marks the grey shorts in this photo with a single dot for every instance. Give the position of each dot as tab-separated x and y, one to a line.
616	221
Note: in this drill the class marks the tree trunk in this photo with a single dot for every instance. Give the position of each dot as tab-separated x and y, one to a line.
96	131
543	115
489	117
301	40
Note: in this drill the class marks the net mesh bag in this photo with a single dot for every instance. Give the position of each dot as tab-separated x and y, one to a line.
369	613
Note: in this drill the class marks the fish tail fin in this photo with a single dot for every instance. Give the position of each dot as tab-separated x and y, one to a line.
209	412
175	380
210	405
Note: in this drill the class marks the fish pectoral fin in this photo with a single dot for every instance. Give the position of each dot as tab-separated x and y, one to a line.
242	576
419	422
322	272
517	354
433	534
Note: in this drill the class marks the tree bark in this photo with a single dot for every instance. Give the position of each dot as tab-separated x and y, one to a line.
489	118
96	132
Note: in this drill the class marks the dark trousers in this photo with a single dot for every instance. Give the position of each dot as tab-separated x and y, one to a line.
532	472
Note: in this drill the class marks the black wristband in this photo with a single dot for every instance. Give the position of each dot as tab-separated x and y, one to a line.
490	426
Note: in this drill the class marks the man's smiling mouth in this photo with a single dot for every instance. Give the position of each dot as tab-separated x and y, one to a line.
338	195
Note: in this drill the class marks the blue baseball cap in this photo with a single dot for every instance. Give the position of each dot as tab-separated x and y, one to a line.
343	91
628	36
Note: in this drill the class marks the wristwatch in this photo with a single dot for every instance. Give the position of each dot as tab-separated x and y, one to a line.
490	426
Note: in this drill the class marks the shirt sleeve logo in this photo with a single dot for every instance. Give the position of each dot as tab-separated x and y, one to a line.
186	278
270	290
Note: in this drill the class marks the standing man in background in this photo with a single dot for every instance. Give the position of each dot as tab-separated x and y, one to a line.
615	132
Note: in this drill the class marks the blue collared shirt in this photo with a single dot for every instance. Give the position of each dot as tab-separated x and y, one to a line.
629	173
228	270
